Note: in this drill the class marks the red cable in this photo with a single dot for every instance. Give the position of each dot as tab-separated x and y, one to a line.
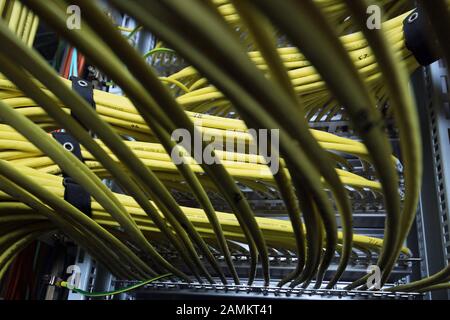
64	61
67	63
81	62
9	280
15	278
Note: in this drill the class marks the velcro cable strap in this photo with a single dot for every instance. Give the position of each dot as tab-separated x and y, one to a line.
75	194
86	90
420	38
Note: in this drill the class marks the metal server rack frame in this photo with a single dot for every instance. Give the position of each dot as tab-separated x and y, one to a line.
432	89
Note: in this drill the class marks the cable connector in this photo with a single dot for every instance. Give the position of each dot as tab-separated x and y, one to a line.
56	282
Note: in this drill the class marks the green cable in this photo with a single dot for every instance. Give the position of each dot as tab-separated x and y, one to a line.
111	293
156	50
57	58
133	32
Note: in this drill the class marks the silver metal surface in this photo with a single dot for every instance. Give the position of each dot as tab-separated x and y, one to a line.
87	274
265	292
433	219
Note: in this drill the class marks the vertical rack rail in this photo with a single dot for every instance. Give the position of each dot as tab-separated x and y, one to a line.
433	97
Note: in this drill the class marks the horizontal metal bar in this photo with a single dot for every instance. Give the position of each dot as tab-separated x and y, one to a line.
269	291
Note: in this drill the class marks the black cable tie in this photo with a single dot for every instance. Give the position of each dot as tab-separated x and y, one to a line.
420	38
75	194
86	90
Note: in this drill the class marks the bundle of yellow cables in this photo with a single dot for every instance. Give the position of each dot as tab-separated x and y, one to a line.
20	20
267	87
